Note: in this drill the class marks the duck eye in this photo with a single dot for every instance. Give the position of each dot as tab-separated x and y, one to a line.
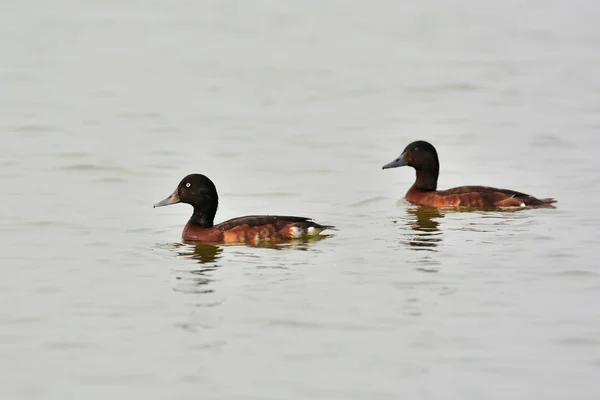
187	184
416	149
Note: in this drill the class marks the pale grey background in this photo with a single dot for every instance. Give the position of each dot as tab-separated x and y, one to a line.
292	108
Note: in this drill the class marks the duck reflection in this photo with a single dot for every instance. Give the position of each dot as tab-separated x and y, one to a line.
203	253
196	280
423	221
208	255
296	244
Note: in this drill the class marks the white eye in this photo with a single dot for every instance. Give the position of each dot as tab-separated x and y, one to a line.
187	184
416	149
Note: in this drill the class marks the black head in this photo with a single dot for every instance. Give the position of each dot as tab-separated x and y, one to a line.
422	156
201	193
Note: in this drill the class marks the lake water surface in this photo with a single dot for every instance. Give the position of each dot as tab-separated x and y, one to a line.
292	108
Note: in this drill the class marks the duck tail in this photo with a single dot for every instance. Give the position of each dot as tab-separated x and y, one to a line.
545	203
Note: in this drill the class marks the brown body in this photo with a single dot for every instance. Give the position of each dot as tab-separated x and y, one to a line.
252	229
473	197
423	157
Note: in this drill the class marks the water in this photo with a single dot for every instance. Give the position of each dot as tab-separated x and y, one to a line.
293	109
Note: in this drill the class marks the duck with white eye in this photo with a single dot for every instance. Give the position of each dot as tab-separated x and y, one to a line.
200	192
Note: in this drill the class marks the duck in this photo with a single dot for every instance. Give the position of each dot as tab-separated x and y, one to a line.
423	157
200	192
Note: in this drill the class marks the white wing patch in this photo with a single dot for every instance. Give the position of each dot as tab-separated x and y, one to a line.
296	232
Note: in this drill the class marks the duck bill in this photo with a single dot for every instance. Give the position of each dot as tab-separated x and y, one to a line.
398	162
172	199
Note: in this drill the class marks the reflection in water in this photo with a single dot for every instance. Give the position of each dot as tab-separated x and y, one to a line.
204	253
209	255
427	233
297	244
196	280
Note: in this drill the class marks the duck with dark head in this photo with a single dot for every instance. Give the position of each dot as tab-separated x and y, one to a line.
423	157
200	192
